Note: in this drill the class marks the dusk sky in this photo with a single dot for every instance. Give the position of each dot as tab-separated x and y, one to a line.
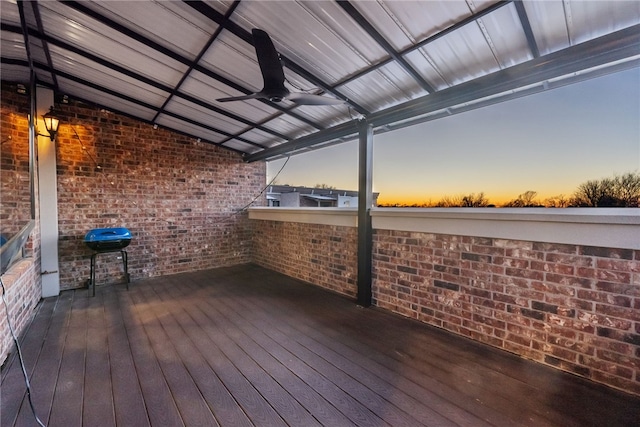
550	143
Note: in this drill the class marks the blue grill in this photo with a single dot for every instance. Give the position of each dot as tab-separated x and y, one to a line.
103	240
108	239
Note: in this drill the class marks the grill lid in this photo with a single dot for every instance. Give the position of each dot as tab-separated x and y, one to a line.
108	238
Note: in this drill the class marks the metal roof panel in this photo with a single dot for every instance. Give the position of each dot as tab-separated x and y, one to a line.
95	37
404	23
203	115
289	126
188	128
241	146
107	101
10	13
503	31
462	55
590	19
260	137
182	30
12	45
98	74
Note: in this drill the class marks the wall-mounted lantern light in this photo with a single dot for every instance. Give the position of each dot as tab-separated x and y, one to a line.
51	123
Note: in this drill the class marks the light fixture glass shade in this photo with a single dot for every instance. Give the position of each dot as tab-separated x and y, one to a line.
51	123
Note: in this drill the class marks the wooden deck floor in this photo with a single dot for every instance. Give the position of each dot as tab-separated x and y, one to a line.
245	346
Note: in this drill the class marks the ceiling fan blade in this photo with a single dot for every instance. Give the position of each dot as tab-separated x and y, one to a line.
242	98
274	89
310	99
269	61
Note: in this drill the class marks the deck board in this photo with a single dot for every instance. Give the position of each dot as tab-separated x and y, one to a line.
128	401
245	346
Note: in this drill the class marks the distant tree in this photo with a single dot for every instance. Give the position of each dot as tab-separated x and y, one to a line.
619	191
593	193
560	201
627	189
475	201
447	202
471	200
524	200
324	186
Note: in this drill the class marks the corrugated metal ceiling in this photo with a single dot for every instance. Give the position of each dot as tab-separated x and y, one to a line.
166	62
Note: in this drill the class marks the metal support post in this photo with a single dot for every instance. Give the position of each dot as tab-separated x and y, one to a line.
365	201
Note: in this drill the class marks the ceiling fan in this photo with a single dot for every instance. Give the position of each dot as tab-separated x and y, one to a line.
274	89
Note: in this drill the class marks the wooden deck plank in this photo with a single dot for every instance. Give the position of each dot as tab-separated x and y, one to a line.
193	409
264	371
543	411
225	409
97	405
44	376
356	413
372	377
291	412
161	408
31	343
243	346
384	381
129	406
66	408
391	350
204	335
475	379
341	378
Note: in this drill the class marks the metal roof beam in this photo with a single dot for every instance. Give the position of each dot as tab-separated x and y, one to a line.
379	38
620	45
526	27
45	45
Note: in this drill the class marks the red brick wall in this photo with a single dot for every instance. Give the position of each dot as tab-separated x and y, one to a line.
574	307
177	197
325	255
23	292
22	280
15	202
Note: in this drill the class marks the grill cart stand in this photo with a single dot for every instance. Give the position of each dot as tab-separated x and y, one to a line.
107	240
92	278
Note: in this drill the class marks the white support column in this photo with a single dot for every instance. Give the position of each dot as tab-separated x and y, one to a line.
48	198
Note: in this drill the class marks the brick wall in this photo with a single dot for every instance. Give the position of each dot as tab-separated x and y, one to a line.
23	292
325	255
15	206
22	280
573	307
177	196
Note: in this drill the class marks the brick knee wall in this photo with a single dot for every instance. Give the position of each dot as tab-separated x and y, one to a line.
325	255
573	307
